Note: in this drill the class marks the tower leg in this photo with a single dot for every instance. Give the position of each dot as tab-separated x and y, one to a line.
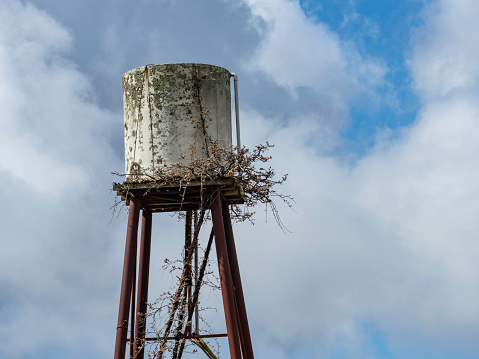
189	292
143	277
226	279
132	305
127	278
247	347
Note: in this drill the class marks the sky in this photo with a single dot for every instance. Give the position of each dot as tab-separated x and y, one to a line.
372	107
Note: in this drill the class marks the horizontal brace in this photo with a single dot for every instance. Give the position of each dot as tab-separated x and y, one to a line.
149	339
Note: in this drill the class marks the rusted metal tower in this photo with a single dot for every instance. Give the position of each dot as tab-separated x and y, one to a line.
161	103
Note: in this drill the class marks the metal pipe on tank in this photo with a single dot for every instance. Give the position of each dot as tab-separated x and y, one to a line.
238	137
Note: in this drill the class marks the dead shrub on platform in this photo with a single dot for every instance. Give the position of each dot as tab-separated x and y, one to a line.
248	168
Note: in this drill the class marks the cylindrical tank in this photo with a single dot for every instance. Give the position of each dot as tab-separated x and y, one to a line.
168	107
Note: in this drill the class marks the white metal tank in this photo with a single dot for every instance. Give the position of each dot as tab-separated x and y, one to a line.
162	107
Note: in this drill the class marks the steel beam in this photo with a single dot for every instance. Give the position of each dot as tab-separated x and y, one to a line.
143	278
132	306
193	336
247	347
226	279
127	278
188	224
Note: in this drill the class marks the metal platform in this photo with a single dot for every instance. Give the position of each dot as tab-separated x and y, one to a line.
174	197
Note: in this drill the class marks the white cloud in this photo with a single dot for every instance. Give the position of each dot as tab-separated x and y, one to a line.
425	186
297	52
40	35
446	49
392	239
55	165
37	39
35	84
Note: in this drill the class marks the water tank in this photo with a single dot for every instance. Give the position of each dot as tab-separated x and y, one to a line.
170	106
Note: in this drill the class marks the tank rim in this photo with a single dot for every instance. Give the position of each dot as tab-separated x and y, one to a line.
177	63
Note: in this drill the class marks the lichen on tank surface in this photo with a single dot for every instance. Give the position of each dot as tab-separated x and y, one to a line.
163	104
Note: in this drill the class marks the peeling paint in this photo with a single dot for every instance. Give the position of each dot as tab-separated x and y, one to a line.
160	107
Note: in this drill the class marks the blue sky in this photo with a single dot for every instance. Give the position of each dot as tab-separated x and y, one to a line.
372	107
382	30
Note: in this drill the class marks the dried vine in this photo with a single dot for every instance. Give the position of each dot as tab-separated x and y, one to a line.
248	168
179	307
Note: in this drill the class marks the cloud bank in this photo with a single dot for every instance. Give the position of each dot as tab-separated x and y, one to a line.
391	239
54	179
383	252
